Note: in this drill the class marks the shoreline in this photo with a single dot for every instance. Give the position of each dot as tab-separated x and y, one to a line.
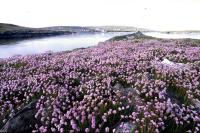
115	82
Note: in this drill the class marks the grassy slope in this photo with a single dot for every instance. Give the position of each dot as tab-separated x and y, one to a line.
10	31
140	36
137	35
10	27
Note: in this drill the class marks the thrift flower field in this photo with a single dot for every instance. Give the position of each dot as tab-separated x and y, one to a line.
138	86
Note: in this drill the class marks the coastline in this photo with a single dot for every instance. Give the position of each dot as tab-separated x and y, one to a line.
108	72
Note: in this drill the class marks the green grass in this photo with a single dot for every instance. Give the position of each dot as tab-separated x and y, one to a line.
137	35
10	27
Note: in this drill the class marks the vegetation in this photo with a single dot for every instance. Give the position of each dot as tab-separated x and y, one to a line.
141	83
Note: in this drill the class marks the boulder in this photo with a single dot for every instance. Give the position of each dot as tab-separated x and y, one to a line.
22	121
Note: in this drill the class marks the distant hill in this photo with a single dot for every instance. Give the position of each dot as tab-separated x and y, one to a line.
73	29
8	31
11	27
118	28
8	27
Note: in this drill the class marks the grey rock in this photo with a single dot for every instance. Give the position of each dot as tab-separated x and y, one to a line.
23	121
196	103
125	127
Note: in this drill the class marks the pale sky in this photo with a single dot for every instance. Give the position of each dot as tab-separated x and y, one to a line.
152	14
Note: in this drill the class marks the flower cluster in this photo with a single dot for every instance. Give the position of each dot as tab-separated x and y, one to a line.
96	89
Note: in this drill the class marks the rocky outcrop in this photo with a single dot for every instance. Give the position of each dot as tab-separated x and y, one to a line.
136	35
23	121
125	127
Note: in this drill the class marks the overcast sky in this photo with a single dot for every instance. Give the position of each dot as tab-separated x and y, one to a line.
153	14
